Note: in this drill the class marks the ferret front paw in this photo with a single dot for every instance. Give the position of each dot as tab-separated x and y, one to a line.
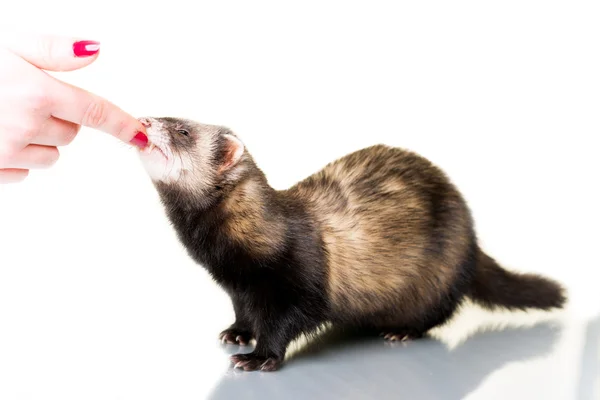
235	336
254	362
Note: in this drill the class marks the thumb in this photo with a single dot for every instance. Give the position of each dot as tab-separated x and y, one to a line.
52	52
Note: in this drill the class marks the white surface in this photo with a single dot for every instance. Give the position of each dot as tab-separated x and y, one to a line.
99	301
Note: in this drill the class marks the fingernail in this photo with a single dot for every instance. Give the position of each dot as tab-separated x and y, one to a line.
86	48
140	140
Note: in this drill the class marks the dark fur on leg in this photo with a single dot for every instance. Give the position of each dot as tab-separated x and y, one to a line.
240	332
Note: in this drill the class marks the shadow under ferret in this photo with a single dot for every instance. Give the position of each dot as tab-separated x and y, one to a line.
349	365
589	378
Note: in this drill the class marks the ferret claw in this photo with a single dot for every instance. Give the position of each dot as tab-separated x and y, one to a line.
233	336
397	337
251	362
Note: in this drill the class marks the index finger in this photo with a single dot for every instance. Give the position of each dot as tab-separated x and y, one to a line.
77	105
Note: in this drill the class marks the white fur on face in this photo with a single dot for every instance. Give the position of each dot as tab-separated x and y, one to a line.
159	160
190	167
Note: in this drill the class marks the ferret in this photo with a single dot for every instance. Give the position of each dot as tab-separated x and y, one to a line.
379	239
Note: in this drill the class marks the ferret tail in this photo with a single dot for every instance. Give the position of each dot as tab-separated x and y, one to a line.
495	287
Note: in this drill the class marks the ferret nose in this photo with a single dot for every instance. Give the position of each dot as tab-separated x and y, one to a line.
147	122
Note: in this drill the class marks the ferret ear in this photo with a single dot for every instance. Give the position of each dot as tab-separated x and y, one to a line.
232	152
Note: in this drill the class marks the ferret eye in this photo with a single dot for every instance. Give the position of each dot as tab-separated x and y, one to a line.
183	132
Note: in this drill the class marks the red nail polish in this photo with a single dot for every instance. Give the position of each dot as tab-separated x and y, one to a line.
86	48
140	140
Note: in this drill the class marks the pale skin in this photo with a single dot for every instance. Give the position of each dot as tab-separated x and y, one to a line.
39	113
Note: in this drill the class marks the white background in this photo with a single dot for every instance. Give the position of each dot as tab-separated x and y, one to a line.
97	298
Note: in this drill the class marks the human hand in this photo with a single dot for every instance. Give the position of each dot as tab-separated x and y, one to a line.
39	113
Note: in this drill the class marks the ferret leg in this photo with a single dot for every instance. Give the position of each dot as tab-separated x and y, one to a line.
240	332
273	337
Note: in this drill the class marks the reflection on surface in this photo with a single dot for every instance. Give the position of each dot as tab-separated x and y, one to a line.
589	378
351	366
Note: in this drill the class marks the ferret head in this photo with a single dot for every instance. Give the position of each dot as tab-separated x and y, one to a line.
192	156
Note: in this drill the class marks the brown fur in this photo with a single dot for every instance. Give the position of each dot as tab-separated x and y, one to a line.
377	226
247	223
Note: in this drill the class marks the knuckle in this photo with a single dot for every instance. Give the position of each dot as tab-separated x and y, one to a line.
95	115
39	101
50	157
29	130
36	98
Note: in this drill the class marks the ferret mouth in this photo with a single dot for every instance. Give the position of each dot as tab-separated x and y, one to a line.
151	147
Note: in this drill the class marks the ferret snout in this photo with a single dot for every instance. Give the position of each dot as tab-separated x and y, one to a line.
146	121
